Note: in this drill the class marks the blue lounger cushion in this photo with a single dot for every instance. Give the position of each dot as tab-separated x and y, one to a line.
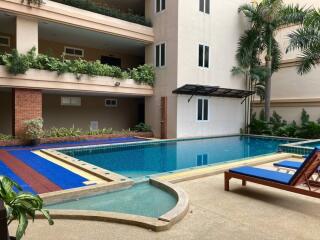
274	176
288	164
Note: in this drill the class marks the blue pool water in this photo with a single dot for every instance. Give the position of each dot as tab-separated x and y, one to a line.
141	199
148	159
311	144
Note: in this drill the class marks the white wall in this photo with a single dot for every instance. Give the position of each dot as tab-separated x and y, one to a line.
165	26
220	30
226	116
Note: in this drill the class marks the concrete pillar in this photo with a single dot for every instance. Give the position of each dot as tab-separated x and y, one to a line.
27	104
27	34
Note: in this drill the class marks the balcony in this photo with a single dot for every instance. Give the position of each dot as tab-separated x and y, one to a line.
47	80
76	17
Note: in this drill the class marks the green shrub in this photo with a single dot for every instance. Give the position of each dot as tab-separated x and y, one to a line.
88	5
34	129
259	126
143	74
4	137
278	127
16	63
63	132
142	127
103	131
19	63
33	2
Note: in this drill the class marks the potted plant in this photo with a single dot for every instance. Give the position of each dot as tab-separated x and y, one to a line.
20	205
34	131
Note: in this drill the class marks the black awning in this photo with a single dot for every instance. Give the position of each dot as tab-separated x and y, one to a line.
212	91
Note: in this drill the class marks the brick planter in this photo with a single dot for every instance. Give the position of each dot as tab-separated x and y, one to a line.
17	142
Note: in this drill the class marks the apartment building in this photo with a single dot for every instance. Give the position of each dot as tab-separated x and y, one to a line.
292	92
191	44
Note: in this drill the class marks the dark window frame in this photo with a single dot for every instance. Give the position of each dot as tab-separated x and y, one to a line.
160	5
204	6
160	55
203	109
204	56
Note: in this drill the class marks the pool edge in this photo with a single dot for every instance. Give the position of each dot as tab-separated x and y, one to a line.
162	223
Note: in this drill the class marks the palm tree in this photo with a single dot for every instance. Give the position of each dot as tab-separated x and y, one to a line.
307	40
266	18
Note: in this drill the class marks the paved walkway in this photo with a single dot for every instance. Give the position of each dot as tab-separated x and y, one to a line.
255	212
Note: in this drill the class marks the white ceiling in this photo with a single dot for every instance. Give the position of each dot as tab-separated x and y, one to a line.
81	37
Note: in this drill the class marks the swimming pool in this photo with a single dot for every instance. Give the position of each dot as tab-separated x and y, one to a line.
142	199
139	160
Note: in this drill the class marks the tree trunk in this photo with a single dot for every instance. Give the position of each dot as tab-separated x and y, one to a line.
267	99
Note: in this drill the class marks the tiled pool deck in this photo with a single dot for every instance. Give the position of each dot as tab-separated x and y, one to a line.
254	212
38	175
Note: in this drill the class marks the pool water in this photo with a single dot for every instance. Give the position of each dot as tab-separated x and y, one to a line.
154	158
311	144
141	199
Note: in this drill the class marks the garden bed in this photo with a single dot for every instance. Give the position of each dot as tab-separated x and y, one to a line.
20	142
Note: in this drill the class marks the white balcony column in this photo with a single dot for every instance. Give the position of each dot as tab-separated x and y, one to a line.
27	34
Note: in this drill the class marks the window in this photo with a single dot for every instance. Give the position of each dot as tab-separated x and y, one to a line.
203	109
111	102
203	56
4	41
204	6
71	101
161	55
74	52
160	5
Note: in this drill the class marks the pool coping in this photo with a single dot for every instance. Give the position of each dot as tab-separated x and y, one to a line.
298	148
164	222
196	173
151	141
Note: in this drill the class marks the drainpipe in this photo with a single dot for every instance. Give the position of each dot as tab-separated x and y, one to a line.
4	234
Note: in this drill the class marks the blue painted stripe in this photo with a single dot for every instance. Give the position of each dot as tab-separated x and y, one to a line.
55	173
6	171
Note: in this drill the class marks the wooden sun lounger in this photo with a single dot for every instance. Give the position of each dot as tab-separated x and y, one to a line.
301	177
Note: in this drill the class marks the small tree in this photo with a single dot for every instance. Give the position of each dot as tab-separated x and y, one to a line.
266	18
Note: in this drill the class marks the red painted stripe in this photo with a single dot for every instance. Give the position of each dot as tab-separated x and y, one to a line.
35	180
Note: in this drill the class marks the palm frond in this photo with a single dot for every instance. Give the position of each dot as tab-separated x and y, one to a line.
248	46
292	14
312	19
251	12
310	57
276	55
303	38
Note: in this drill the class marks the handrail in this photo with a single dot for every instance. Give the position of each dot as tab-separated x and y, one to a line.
3	222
